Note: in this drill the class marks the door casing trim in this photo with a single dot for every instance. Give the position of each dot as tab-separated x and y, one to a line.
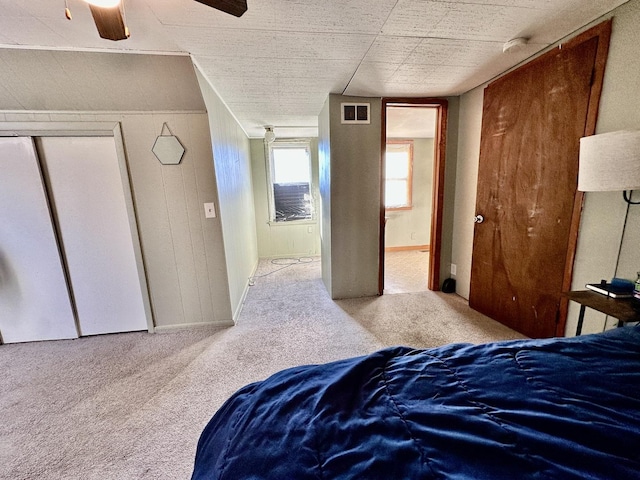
437	209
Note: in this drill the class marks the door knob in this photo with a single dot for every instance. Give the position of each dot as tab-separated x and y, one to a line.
478	219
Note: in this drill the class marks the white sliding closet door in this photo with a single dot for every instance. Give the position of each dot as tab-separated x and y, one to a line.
88	188
34	300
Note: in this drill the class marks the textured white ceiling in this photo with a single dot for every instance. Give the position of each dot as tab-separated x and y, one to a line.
277	63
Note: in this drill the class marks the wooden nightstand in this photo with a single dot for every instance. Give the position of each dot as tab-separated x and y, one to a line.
623	309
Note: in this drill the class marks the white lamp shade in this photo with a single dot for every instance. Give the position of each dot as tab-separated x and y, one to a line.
104	3
610	162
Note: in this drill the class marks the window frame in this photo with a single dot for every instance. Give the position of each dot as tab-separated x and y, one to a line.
409	204
283	144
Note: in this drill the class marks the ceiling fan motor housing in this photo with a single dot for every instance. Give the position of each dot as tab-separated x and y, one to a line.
232	7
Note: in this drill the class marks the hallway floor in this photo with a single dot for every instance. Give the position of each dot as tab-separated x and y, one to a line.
406	271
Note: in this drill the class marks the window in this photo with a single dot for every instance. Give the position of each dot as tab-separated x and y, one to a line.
398	174
290	187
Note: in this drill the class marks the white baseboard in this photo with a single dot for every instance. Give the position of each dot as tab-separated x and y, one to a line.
186	326
247	286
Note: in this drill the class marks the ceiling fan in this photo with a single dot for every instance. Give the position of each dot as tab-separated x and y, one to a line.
109	20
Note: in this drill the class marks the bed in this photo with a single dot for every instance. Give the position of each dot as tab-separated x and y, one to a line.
563	408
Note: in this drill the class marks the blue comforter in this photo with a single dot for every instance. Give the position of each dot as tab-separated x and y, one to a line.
542	409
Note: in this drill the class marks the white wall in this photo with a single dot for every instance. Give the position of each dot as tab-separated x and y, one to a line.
352	169
466	187
324	185
183	251
232	160
603	215
450	193
75	81
283	239
412	227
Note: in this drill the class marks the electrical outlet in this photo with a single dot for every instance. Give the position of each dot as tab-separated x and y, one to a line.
454	268
209	210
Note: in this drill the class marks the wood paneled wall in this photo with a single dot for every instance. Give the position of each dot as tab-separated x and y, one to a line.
232	160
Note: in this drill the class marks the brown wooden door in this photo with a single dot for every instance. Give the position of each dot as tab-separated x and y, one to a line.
533	119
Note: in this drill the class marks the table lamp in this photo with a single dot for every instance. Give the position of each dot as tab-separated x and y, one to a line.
610	162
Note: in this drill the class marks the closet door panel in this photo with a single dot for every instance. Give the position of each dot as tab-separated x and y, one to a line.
85	180
34	299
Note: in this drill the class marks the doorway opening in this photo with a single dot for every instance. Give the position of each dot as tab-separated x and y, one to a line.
413	136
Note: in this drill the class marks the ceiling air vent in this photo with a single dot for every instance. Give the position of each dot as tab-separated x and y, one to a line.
355	112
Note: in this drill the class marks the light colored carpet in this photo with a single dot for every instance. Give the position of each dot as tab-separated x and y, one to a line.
132	406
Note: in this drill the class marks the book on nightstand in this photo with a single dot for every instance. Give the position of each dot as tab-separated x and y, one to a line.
613	291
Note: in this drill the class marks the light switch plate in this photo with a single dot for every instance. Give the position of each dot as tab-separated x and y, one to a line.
209	210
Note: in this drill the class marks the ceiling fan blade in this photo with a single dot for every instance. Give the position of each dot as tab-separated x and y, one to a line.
233	7
109	22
